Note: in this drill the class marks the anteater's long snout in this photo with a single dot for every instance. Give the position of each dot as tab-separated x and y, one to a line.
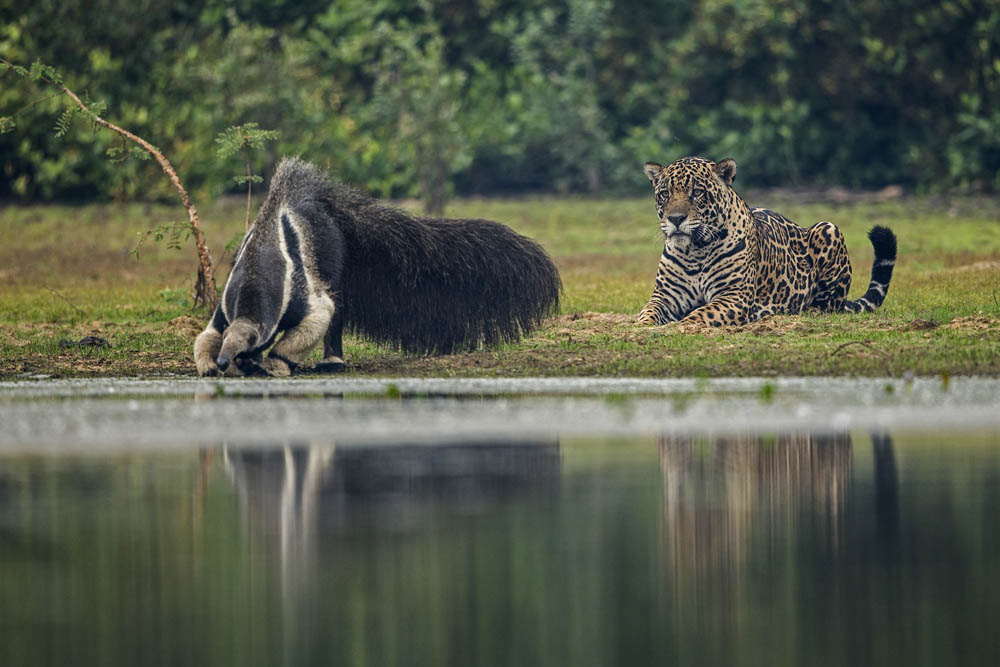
240	337
223	361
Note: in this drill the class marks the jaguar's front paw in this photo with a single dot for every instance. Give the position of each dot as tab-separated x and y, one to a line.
648	317
701	319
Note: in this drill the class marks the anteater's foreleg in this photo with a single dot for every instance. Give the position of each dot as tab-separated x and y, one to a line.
208	343
295	344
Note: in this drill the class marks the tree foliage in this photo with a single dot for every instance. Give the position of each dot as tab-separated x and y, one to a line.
507	95
425	111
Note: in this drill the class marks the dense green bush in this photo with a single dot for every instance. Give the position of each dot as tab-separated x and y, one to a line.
509	95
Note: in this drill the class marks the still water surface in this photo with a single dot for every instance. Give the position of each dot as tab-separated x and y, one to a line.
757	547
784	549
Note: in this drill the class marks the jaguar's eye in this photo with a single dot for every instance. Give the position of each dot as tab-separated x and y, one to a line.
697	193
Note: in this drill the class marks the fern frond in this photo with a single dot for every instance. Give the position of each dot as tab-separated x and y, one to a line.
65	121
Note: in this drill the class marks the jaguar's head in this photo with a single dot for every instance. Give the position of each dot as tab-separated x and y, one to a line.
694	200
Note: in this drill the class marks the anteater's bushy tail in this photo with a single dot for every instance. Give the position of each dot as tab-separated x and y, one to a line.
428	285
436	285
884	243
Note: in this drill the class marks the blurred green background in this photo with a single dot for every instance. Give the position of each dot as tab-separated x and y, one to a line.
445	97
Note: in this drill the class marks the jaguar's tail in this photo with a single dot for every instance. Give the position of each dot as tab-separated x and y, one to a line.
884	243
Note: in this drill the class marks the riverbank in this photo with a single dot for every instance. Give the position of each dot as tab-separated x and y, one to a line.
77	303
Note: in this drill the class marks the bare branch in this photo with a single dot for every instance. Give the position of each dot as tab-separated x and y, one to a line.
246	152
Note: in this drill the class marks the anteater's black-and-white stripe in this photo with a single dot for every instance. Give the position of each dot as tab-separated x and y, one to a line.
884	243
322	256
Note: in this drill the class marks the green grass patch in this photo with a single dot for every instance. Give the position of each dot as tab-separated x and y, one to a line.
67	272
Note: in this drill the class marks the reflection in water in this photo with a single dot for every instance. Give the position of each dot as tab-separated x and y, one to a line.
717	490
785	550
724	498
279	492
295	496
886	488
289	493
291	490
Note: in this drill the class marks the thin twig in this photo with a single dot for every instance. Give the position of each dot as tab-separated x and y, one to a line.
31	104
858	342
66	300
246	151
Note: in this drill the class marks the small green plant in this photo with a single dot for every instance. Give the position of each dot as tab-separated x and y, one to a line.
767	392
176	234
242	138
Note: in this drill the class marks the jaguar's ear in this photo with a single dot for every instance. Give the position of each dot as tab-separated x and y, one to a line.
726	170
653	171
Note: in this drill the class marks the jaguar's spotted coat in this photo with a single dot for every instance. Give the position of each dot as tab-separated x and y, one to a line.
726	263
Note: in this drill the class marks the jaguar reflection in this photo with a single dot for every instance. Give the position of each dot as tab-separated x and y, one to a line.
729	501
719	494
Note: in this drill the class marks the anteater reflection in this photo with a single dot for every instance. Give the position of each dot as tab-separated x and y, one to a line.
301	501
291	494
292	487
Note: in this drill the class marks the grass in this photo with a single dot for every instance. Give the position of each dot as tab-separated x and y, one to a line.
67	272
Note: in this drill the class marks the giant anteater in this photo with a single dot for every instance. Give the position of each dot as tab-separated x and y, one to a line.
322	256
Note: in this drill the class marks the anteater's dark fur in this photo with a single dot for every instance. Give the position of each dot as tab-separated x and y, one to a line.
418	284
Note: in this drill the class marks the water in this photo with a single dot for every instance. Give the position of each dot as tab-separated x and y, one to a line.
621	529
83	415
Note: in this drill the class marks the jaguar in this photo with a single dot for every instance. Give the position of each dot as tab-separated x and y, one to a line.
725	263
